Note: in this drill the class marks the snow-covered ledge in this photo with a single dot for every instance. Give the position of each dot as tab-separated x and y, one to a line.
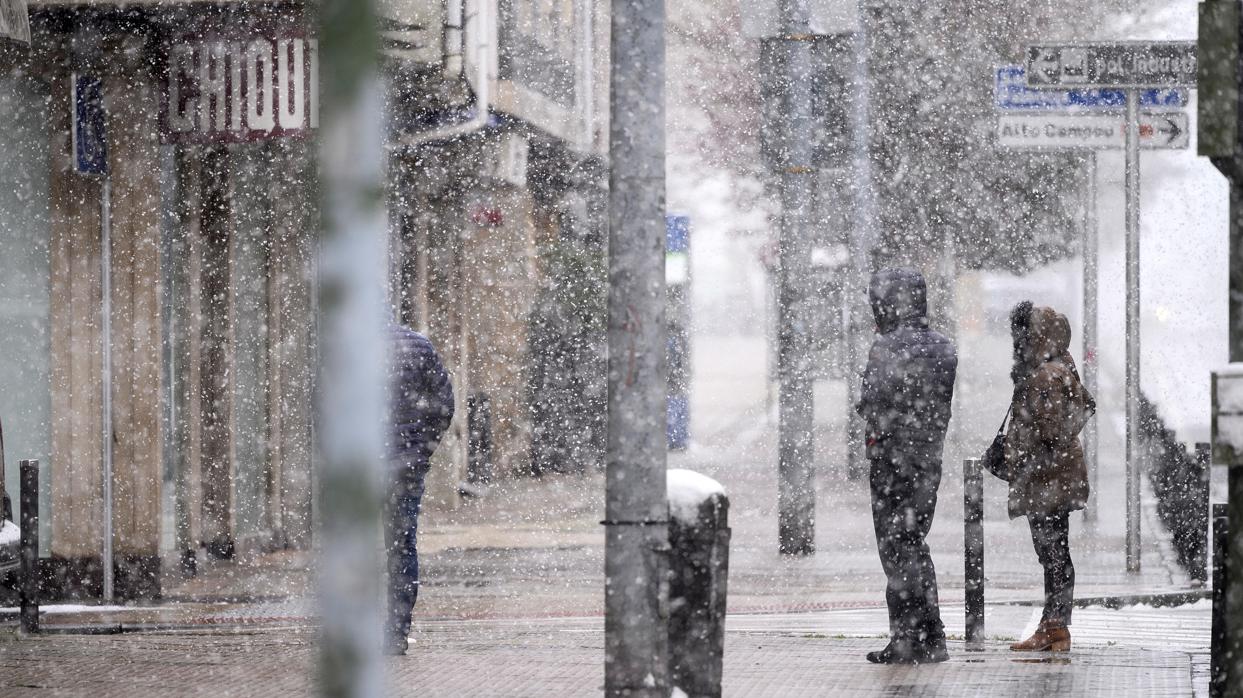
688	490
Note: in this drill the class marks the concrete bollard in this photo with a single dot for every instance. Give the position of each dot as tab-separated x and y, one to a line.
1217	667
29	494
973	547
698	573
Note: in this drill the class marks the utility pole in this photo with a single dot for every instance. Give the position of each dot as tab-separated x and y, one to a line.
858	315
352	391
796	494
636	512
1220	122
1133	445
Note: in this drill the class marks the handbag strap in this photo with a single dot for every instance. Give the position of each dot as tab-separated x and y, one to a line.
1005	419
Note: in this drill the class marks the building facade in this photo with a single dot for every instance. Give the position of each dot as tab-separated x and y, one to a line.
201	409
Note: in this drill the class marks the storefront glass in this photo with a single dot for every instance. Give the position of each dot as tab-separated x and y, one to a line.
25	283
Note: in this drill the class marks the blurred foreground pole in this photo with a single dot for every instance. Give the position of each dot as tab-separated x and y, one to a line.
1220	67
796	495
352	393
636	553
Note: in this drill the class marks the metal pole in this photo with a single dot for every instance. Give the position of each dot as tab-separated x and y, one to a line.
973	546
1133	448
1091	275
28	497
352	390
796	494
636	553
105	340
1218	669
1232	605
1232	564
858	319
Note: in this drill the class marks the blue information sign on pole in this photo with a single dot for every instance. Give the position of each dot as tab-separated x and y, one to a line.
1012	94
90	146
678	321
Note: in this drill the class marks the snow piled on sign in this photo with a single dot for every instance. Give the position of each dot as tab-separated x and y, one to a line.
687	490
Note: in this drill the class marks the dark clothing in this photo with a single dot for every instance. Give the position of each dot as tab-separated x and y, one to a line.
405	497
420	409
909	381
904	498
420	397
905	403
1051	538
1048	474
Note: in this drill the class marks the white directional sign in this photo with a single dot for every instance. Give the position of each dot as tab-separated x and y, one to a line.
1121	64
1091	131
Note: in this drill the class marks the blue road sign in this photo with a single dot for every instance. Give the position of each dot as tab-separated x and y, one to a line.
1012	94
90	146
677	233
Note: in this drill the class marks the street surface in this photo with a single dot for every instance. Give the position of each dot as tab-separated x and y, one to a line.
511	600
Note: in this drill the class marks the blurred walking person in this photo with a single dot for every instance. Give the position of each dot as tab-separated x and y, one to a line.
420	409
1044	459
905	402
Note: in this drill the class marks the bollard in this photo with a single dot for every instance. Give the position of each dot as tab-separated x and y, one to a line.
479	444
1199	483
973	546
29	497
698	572
1217	668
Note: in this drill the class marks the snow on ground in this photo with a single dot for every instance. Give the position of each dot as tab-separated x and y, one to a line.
70	608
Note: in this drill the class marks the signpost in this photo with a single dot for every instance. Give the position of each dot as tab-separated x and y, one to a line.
1011	93
1092	131
1135	67
90	157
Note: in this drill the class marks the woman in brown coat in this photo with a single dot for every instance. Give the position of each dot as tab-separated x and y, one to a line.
1048	475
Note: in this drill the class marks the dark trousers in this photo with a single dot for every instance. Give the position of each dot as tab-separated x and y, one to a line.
401	528
1051	538
904	498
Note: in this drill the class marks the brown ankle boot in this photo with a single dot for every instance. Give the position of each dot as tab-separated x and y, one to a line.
1049	637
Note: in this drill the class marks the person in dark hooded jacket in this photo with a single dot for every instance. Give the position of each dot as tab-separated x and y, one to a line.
420	409
905	403
1044	459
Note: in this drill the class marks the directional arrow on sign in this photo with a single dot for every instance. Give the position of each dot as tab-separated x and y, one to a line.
1171	129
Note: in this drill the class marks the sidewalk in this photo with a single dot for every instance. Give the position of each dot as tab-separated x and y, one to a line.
512	603
764	657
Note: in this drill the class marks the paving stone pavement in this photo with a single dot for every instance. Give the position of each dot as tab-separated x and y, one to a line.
558	658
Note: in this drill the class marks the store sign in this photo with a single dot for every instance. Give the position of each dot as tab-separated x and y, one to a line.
90	142
253	89
14	20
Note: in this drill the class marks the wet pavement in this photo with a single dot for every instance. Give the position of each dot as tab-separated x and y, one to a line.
511	601
550	657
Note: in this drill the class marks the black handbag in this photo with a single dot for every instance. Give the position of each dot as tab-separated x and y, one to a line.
995	457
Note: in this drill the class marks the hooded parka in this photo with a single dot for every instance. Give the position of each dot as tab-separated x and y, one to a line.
1048	474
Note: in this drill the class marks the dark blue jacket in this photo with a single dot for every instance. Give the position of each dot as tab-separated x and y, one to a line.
909	381
420	397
